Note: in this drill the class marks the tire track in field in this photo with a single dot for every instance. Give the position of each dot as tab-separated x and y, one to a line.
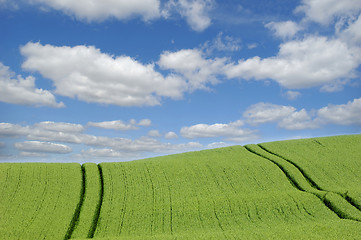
78	207
337	203
99	206
170	203
309	179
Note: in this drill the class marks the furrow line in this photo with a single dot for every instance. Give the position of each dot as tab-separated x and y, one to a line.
305	175
78	207
99	206
333	201
289	177
309	179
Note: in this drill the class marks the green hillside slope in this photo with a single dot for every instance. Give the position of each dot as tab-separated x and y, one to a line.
38	200
300	189
222	193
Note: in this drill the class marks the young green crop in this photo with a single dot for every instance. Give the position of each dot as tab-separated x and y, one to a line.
302	189
332	163
221	193
38	200
91	201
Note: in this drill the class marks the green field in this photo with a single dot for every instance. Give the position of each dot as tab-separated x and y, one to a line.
296	189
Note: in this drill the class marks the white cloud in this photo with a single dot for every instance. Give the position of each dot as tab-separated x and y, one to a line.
289	118
343	114
60	126
196	12
171	135
299	120
13	130
33	154
222	43
266	112
154	133
86	73
351	33
292	95
120	125
324	11
95	10
193	66
313	61
230	131
284	30
105	152
145	122
19	90
43	147
42	138
252	45
217	145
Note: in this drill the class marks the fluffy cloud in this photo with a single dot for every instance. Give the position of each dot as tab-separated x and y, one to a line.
324	11
343	114
222	43
13	130
120	125
285	29
94	10
44	147
266	112
104	152
170	135
292	95
313	61
145	123
60	127
231	131
350	32
154	133
191	64
196	12
289	118
19	90
86	73
217	145
299	120
42	136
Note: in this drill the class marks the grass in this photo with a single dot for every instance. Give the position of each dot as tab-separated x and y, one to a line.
333	163
300	189
38	200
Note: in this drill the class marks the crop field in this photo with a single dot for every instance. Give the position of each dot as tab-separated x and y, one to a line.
297	189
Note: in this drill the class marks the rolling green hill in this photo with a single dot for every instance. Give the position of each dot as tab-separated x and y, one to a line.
296	189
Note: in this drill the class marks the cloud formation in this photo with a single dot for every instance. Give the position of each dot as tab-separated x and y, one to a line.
284	30
120	125
94	10
196	12
313	61
231	131
43	136
343	114
19	90
85	73
193	66
287	117
324	11
42	147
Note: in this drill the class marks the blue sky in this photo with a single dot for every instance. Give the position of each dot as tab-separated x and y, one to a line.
95	81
